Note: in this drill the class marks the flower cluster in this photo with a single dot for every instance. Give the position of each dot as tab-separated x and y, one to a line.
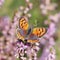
8	33
7	38
26	51
47	6
1	3
48	39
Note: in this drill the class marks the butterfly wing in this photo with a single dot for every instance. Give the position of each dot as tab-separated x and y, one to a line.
20	34
39	31
35	34
24	27
32	39
23	23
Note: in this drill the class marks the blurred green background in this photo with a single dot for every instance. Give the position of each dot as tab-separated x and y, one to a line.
10	6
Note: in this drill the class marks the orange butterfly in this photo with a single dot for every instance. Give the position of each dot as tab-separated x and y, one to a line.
31	35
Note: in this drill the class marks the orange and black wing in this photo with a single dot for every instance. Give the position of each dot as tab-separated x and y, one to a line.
39	31
35	34
23	28
23	23
32	39
20	35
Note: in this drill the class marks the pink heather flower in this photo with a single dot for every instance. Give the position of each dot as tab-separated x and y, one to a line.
46	22
44	11
30	5
18	14
15	18
51	30
25	12
51	41
4	32
54	18
29	15
27	9
1	2
4	21
42	41
42	6
27	1
7	28
21	8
